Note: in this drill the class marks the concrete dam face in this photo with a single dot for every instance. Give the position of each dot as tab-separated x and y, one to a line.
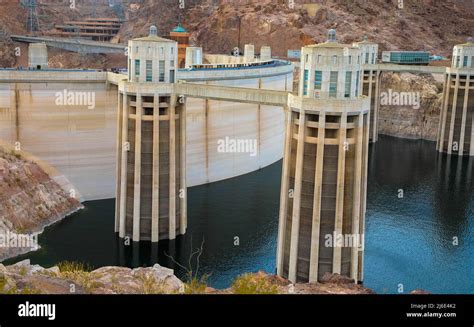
73	137
69	120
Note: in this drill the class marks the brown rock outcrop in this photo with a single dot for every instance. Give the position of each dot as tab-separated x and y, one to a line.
412	120
29	201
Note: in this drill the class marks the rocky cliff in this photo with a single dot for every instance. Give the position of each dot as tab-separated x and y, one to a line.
218	25
430	25
29	201
410	106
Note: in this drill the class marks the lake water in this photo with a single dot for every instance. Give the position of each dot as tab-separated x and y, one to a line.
419	225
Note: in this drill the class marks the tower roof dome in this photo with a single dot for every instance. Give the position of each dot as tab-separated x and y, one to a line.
179	29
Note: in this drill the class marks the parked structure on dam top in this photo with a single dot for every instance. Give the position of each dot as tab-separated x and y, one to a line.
37	56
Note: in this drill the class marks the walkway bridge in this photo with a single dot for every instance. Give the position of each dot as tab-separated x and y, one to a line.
74	45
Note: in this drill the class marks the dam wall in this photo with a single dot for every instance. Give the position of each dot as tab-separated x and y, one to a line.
76	140
211	123
80	142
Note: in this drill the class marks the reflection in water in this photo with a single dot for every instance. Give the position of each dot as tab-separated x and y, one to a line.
412	240
236	218
409	240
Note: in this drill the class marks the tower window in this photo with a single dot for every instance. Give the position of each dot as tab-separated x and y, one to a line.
333	85
137	67
162	71
357	84
318	79
305	82
472	62
149	71
373	58
172	76
334	60
464	64
367	58
348	85
458	58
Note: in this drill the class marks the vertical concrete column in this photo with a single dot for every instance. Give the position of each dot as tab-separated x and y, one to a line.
155	207
138	169
444	111
295	225
118	149
464	114
259	126
336	263
453	115
318	183
375	136
471	150
357	194
183	199
438	136
363	206
14	115
172	167
372	109
123	165
284	189
207	107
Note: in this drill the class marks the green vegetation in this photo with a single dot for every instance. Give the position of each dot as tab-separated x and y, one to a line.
72	266
14	289
196	285
79	273
193	284
150	285
253	284
23	271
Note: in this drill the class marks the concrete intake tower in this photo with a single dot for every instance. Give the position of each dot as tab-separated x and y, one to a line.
151	167
323	192
456	129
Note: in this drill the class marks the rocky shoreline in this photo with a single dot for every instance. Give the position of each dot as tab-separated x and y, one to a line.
73	278
30	201
25	278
